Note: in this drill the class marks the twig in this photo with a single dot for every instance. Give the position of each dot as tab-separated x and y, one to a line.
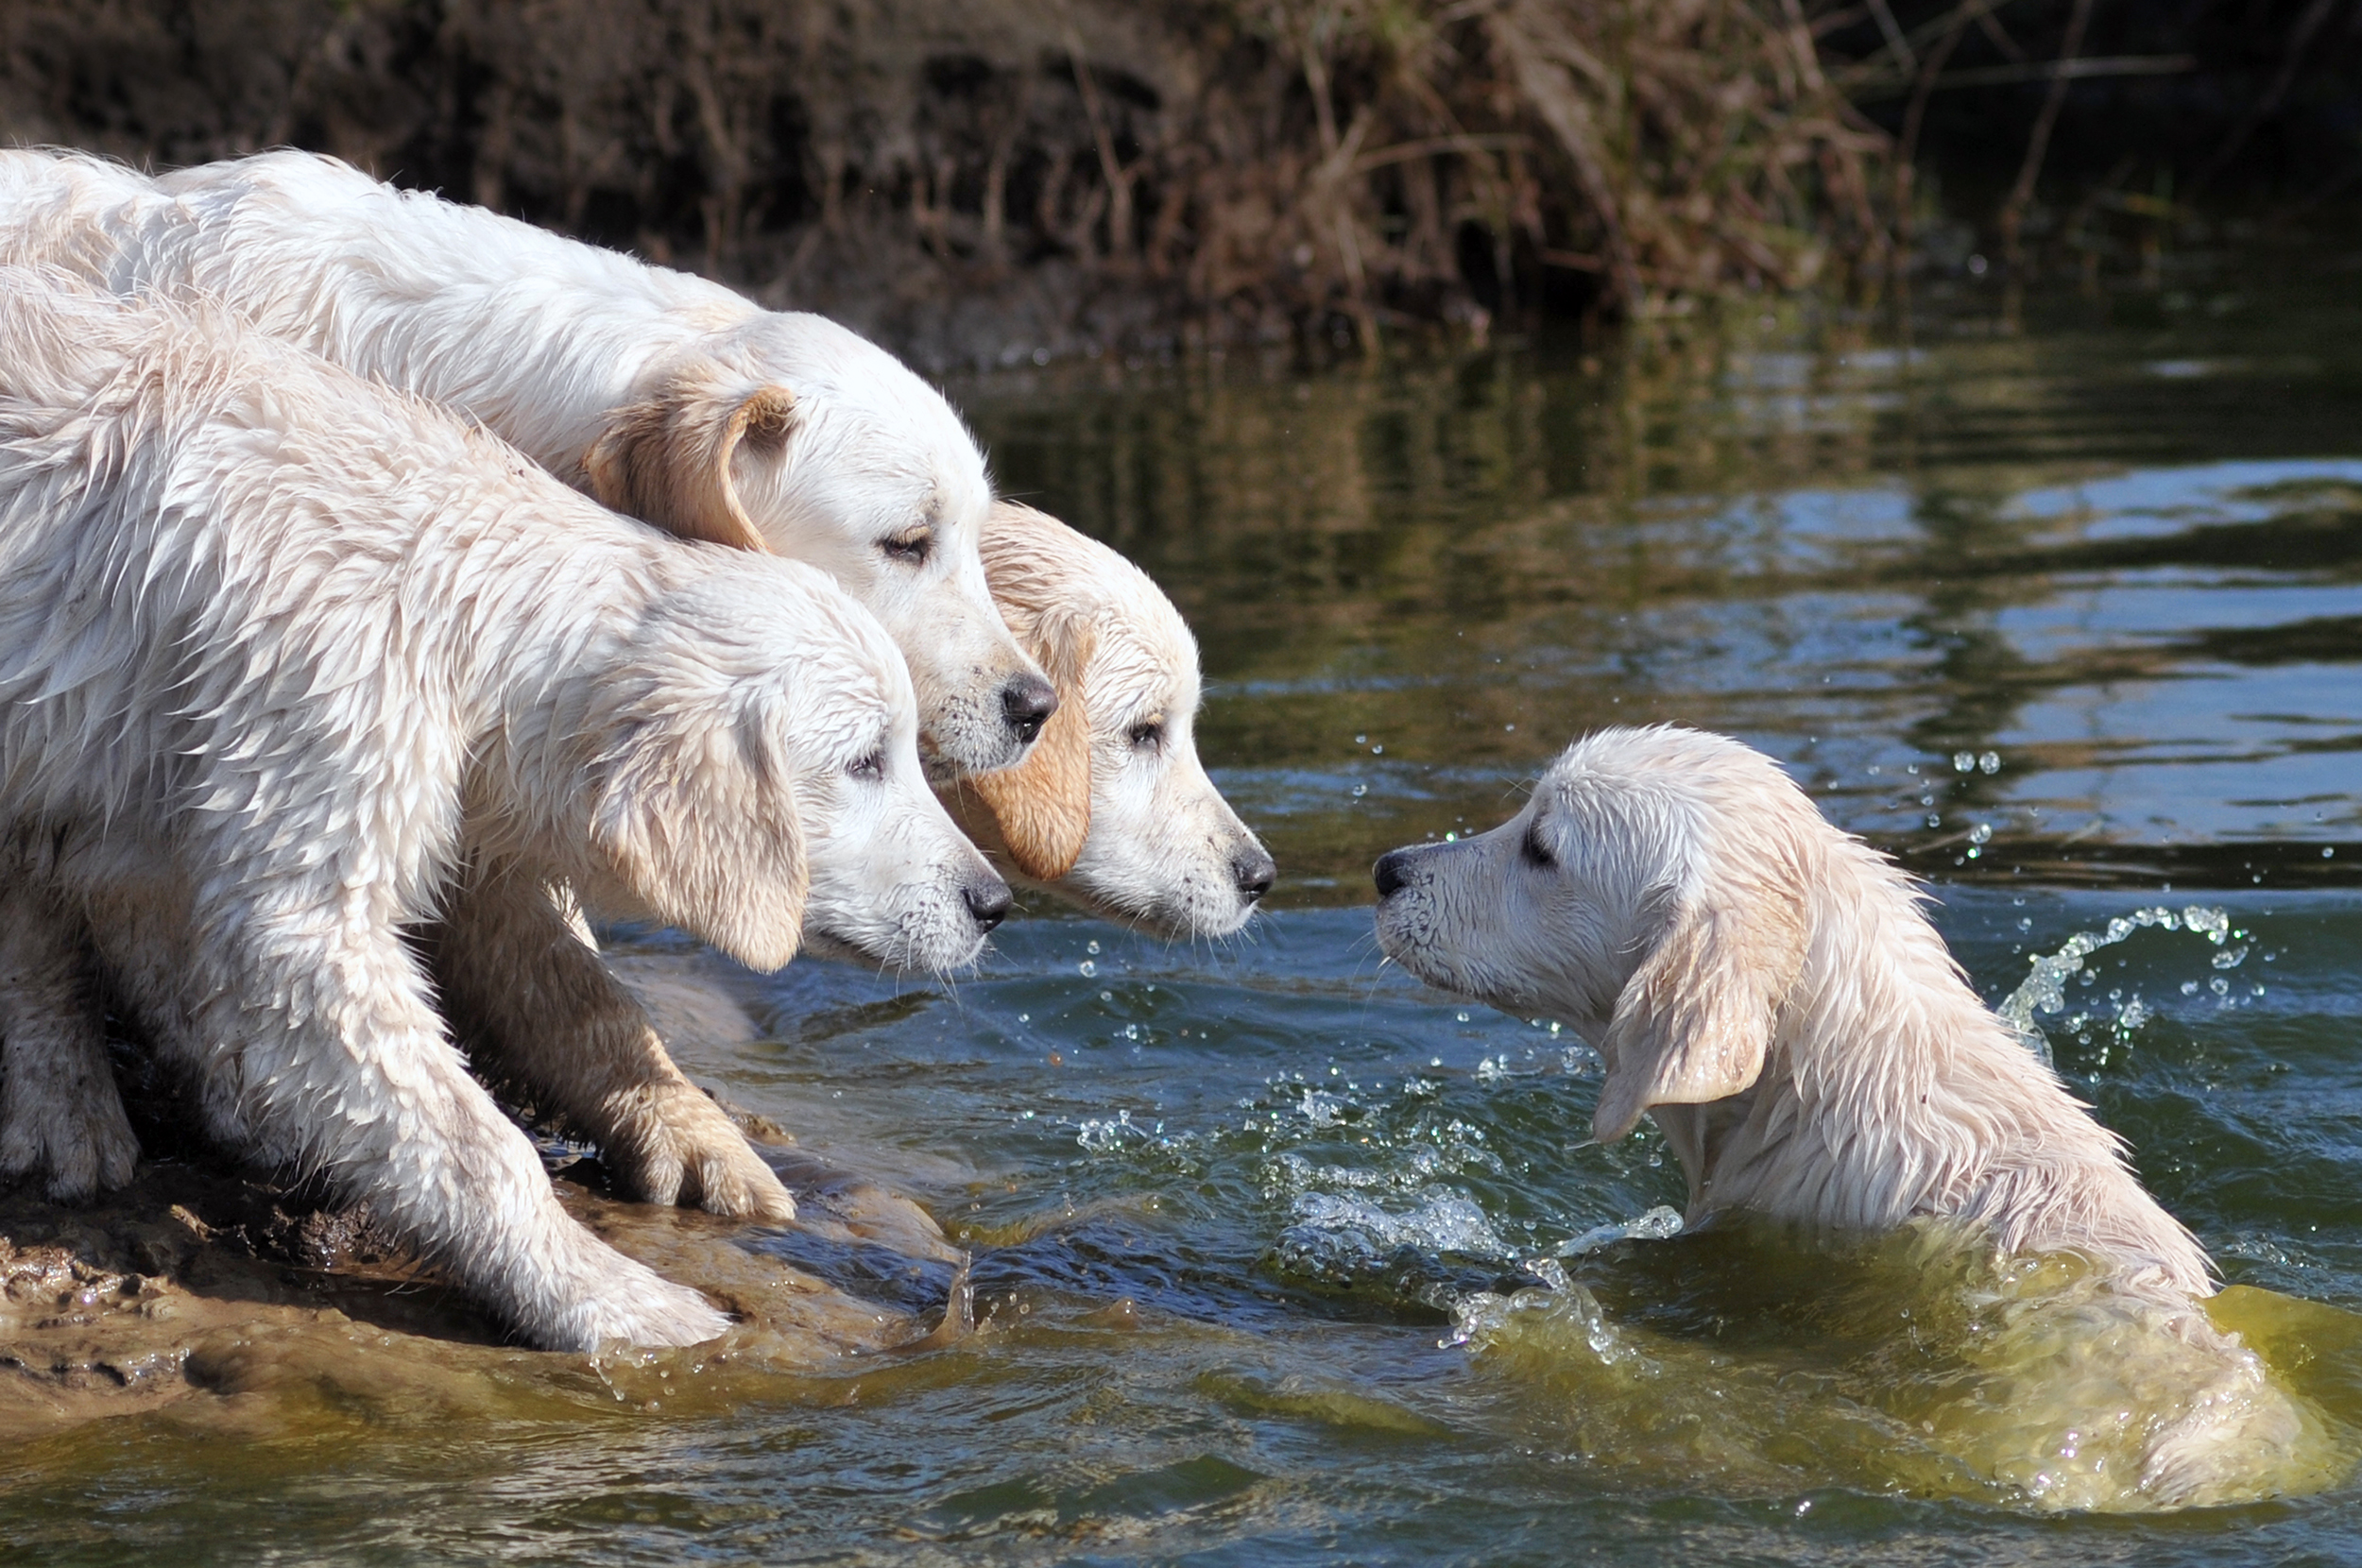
2013	210
1908	145
2307	24
1897	43
1403	152
1119	178
2044	70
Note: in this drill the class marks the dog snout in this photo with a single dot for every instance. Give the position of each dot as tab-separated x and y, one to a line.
1027	702
1254	871
988	899
1392	871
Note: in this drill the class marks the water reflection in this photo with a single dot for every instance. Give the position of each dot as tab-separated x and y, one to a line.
2137	589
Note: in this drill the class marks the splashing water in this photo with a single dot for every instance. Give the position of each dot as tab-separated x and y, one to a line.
2043	990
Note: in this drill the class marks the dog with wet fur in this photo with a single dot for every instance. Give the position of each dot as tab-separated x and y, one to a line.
1769	991
1113	809
658	393
287	662
668	396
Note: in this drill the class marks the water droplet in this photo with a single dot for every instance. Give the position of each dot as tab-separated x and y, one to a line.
1989	763
1086	968
1964	761
1935	819
1981	833
1106	996
1025	1017
1093	949
1361	790
1378	751
1462	1017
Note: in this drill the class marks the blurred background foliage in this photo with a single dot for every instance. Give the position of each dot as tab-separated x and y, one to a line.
981	180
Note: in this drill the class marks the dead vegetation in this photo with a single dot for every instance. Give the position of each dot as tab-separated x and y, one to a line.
982	179
1238	168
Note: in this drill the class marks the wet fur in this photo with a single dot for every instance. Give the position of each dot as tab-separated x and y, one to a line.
1130	828
1770	990
286	659
660	394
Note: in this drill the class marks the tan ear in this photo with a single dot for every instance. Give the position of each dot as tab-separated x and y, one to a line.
666	459
701	824
1694	1021
1043	805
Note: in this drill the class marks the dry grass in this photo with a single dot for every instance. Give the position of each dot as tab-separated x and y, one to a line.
1251	167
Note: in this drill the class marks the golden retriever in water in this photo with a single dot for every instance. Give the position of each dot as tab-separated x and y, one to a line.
283	658
1769	991
1113	808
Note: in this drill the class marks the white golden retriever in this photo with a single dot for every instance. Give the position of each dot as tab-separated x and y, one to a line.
659	393
1113	807
667	397
284	657
1769	991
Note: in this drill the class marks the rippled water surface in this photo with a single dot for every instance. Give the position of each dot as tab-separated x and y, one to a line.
1281	1257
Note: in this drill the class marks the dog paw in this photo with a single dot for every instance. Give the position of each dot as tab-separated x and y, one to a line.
84	1149
681	1148
639	1307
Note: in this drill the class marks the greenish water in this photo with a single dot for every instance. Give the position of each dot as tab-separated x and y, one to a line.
2069	618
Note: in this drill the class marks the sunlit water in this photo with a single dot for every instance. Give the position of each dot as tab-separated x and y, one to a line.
1280	1257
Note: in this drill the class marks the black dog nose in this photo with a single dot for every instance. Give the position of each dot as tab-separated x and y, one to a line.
1389	870
988	902
1027	702
1254	870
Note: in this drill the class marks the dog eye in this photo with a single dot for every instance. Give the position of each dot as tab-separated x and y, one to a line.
1148	735
1533	851
872	768
912	546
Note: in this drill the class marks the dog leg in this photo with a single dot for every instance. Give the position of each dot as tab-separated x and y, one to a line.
525	989
61	1114
343	1067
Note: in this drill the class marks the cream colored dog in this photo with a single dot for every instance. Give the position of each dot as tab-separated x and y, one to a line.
1769	991
661	395
286	659
1113	807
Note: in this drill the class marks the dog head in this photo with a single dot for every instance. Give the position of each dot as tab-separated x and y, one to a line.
1651	894
1113	807
755	780
787	434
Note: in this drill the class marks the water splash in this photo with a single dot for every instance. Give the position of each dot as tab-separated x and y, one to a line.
2043	990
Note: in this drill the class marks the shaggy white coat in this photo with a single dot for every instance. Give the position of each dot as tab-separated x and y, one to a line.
283	658
1770	990
664	395
1113	807
661	394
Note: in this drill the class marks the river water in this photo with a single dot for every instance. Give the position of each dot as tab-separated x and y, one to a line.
1280	1258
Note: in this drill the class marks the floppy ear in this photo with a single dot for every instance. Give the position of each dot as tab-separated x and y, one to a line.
699	821
1043	805
666	459
1694	1021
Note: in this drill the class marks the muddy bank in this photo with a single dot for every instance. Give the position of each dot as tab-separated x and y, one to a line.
210	1289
